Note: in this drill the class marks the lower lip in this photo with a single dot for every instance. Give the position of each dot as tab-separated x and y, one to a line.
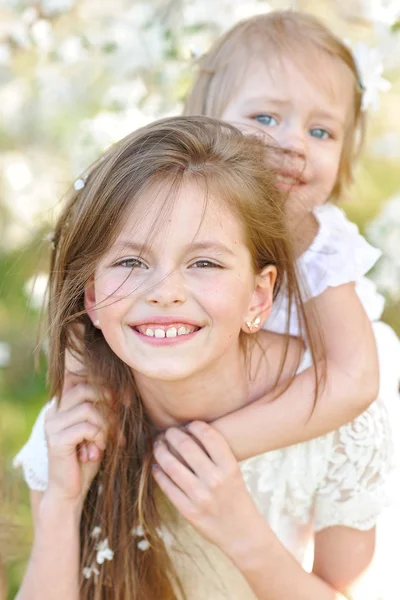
166	341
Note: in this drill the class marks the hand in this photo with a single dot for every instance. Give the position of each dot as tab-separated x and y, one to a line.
69	428
210	492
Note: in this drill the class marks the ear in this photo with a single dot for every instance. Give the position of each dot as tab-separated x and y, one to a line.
262	299
90	303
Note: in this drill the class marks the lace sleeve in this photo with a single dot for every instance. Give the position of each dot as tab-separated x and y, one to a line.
355	487
33	456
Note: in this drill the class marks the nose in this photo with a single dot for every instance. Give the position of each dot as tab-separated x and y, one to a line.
168	290
293	140
291	154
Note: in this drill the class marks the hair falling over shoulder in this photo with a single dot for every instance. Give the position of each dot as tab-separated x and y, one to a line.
122	496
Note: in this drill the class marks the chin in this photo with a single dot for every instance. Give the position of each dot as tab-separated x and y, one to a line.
167	373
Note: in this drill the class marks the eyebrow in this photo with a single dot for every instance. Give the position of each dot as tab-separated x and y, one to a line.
212	245
320	113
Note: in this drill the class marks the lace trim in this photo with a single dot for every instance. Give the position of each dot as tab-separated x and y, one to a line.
33	456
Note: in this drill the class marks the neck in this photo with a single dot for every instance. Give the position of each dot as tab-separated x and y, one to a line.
205	396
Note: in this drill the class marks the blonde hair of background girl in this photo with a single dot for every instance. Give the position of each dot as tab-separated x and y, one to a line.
297	36
173	152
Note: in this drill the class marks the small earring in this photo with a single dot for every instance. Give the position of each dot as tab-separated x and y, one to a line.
96	323
254	324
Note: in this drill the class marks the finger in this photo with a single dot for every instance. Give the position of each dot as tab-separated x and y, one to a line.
84	411
178	498
214	443
83	453
76	395
93	451
176	471
77	434
193	455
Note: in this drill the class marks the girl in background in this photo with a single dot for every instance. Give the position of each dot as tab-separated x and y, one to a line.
173	223
285	76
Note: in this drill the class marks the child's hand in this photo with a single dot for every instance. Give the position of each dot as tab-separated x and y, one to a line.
210	492
68	428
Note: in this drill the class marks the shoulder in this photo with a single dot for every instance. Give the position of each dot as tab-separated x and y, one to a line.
33	456
339	253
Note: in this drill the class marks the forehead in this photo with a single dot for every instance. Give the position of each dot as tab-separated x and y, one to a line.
314	79
163	215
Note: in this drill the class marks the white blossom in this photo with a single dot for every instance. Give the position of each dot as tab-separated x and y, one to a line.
96	532
139	531
79	184
143	545
103	552
88	571
370	68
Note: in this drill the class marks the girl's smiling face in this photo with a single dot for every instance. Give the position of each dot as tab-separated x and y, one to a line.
306	113
172	297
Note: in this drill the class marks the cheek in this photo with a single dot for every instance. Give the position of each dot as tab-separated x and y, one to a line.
116	284
226	300
328	165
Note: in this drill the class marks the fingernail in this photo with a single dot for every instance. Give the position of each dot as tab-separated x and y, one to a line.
155	466
157	443
92	455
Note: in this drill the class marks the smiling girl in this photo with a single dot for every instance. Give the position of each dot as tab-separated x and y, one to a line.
174	222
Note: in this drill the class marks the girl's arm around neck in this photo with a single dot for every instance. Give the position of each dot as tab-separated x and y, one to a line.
53	568
351	384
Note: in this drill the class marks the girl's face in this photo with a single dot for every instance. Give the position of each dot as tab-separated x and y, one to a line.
173	302
305	113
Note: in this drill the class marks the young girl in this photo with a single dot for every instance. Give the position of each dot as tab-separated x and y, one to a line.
173	223
285	76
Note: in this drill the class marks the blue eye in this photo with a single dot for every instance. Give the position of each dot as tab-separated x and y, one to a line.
131	263
205	264
320	134
267	120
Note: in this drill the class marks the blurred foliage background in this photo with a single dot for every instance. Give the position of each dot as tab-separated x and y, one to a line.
76	75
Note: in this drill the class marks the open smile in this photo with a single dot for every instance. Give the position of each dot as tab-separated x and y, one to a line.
163	333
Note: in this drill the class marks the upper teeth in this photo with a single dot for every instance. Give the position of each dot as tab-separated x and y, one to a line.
169	333
287	179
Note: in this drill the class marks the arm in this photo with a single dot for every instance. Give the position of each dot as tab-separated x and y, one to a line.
342	557
53	568
274	574
351	383
212	496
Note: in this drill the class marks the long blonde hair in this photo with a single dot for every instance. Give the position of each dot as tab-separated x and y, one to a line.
171	151
298	36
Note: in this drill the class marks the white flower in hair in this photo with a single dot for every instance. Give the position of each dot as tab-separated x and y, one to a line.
79	184
104	552
88	571
143	545
370	68
96	532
